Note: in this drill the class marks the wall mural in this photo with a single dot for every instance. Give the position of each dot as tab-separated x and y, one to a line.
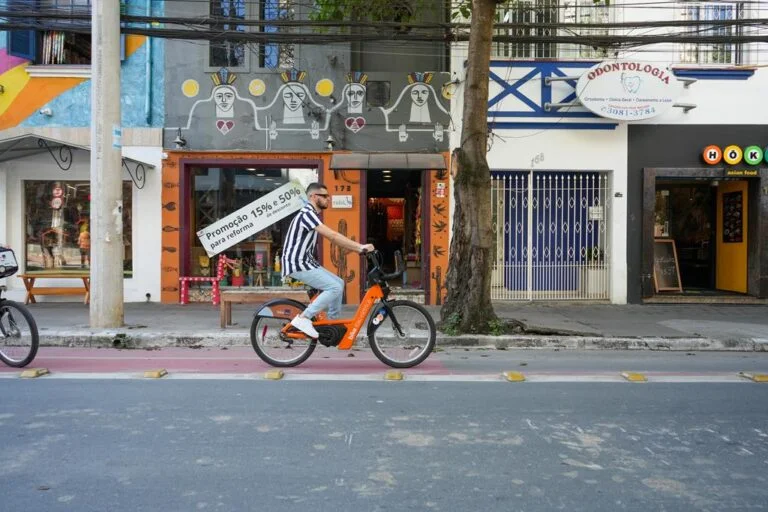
293	108
24	96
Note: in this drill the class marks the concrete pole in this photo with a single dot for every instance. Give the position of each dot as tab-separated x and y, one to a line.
107	248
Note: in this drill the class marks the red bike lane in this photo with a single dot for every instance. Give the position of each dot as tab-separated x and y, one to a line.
213	360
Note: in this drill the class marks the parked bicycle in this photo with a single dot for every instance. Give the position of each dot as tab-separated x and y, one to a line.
401	333
19	338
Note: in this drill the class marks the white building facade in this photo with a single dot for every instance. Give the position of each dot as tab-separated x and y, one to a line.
583	203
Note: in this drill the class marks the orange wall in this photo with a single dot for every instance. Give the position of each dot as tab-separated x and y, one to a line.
439	228
347	183
347	222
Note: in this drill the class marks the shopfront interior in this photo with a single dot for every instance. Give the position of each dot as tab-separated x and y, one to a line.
703	223
394	220
214	193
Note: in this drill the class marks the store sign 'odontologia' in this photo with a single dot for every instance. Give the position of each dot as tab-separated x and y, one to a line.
628	91
250	219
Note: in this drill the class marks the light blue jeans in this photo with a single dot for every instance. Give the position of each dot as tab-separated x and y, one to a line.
332	290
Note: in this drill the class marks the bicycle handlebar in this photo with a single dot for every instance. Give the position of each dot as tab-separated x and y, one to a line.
375	258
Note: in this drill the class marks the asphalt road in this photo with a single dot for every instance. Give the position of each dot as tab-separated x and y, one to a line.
239	445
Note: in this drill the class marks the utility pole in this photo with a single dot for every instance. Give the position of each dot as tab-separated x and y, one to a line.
106	309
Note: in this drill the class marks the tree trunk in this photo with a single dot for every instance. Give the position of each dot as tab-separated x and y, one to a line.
468	306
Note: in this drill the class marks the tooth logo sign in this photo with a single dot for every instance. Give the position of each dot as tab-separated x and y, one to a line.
631	84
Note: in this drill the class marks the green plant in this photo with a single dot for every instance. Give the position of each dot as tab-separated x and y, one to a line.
496	327
451	325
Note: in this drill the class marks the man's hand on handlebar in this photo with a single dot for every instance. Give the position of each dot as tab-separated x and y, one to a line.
367	248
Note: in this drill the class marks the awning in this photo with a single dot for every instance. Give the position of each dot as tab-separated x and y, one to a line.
61	152
394	161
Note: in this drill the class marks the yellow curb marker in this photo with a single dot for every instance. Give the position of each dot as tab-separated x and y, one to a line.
394	375
32	373
755	377
634	377
514	376
274	375
155	374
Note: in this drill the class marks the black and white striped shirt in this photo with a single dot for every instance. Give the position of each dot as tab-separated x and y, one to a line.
299	248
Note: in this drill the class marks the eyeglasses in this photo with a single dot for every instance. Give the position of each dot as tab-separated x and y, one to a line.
325	196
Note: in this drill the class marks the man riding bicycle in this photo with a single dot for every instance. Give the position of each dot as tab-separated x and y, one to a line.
298	258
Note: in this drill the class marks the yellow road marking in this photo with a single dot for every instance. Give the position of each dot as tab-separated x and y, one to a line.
32	373
634	377
514	376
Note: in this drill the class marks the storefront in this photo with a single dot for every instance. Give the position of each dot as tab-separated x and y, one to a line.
45	193
698	223
370	201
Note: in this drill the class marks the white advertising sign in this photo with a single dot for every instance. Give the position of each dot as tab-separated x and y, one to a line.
341	201
250	219
628	90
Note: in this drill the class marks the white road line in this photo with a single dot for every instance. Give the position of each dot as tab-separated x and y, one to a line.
531	378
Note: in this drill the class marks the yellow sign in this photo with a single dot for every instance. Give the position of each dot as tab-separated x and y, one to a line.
741	172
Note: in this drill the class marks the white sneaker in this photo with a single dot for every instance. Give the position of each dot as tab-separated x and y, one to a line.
305	325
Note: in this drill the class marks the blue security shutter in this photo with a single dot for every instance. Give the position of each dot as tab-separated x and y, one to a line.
23	44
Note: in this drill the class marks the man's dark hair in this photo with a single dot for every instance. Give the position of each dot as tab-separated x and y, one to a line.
314	187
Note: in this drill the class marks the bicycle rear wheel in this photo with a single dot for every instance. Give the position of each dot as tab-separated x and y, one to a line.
405	347
18	334
266	337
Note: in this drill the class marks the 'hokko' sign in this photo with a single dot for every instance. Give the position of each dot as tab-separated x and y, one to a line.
628	90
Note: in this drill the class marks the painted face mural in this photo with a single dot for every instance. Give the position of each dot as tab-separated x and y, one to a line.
224	97
419	94
425	106
293	100
355	98
293	97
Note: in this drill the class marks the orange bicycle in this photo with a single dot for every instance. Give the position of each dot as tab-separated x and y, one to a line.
401	333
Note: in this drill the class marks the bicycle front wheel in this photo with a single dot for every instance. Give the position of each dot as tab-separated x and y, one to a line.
404	337
266	331
18	334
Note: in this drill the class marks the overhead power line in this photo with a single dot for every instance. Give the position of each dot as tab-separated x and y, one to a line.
213	28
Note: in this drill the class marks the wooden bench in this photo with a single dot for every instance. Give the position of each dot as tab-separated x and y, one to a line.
32	290
253	295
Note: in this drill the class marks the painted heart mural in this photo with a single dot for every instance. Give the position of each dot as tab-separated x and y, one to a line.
355	124
225	126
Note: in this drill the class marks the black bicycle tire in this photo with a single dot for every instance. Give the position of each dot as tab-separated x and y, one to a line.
262	355
430	344
33	331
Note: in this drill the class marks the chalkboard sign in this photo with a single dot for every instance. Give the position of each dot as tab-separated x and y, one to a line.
666	271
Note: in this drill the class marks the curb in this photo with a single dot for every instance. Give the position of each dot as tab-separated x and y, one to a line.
132	339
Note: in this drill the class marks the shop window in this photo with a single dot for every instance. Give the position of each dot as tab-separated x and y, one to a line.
217	192
716	53
58	235
54	47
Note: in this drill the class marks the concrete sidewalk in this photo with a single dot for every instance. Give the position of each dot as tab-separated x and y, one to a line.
545	325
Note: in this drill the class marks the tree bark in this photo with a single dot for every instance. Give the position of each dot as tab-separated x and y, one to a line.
468	305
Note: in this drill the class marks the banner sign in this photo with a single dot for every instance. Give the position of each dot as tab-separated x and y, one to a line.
250	219
627	90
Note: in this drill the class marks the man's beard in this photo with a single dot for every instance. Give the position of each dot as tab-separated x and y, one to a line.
322	206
